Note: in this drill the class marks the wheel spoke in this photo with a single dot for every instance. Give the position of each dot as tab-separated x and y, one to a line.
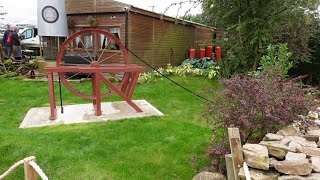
110	57
96	45
73	76
105	48
83	84
86	49
78	54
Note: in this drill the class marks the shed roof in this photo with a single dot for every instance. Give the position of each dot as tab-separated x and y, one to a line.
105	6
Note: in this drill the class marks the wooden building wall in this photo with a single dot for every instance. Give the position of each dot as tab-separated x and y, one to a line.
105	22
140	39
157	41
203	37
94	6
161	43
181	39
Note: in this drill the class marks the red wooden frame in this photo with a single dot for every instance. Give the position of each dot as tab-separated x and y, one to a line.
124	89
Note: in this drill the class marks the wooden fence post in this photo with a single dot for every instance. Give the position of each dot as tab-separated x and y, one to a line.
29	172
229	165
236	150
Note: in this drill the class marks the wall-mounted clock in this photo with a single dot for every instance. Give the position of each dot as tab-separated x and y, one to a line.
50	14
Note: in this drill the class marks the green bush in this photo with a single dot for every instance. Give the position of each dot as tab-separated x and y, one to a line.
276	60
203	63
9	74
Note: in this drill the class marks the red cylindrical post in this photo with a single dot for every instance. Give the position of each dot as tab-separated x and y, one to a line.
202	53
192	53
209	52
218	52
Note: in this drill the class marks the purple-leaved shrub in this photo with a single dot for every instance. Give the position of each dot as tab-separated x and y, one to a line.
256	106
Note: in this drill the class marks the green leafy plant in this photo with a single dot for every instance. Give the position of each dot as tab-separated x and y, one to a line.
146	77
186	69
91	19
11	69
189	70
213	71
8	62
203	63
9	74
276	59
34	64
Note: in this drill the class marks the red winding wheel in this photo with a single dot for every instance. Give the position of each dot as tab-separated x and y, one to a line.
91	48
95	55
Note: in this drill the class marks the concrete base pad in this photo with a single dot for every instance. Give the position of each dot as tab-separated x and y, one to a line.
84	113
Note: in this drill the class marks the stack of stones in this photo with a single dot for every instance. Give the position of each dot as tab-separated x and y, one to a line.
286	155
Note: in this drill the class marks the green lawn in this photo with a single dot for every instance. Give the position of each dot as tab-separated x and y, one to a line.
145	148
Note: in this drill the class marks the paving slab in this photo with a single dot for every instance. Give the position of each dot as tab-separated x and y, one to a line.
84	113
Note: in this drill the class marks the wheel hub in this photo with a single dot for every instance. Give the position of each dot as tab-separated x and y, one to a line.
95	64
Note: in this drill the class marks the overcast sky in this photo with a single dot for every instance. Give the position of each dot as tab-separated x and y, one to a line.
25	11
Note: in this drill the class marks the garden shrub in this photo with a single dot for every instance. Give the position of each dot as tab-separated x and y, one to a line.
277	59
10	69
256	106
203	63
277	56
9	74
186	69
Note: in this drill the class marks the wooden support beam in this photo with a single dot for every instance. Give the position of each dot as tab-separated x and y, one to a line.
29	172
236	150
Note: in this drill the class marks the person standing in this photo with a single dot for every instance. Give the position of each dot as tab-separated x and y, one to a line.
7	41
16	44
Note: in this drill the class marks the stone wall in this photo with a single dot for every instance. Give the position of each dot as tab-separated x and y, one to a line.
289	154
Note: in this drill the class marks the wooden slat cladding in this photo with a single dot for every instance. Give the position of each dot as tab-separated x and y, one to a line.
93	6
80	6
157	41
181	38
109	6
105	21
161	43
140	38
203	37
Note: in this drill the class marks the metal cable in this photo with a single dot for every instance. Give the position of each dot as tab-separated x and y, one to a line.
188	90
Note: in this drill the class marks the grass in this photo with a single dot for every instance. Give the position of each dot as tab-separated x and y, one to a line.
145	148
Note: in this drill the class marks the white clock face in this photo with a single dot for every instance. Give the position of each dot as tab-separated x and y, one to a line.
50	14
